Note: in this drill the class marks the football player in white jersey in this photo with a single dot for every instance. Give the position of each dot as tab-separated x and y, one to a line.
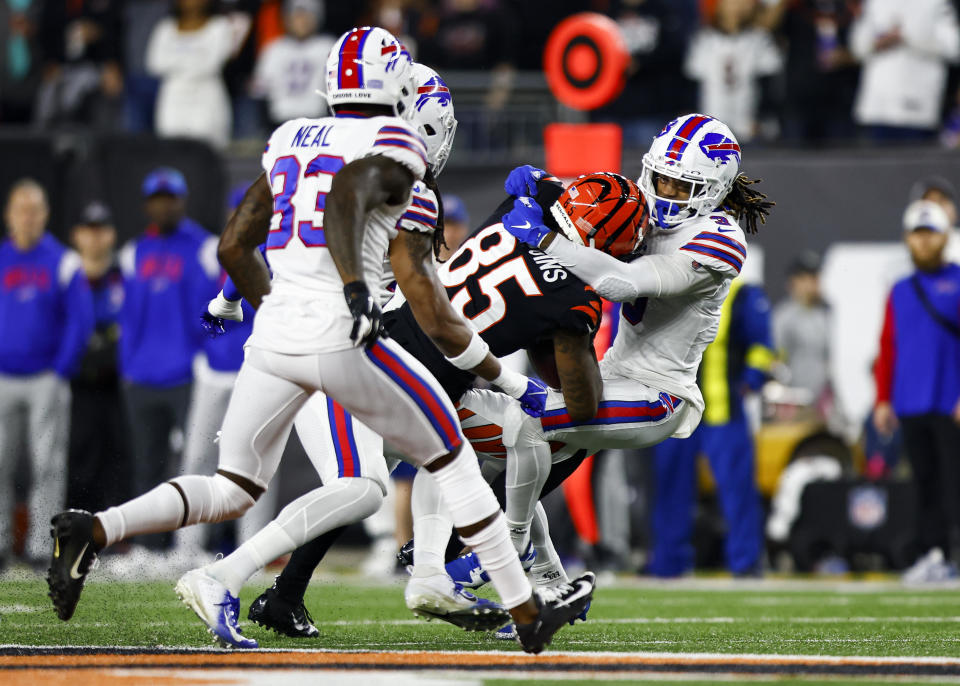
347	454
672	292
319	329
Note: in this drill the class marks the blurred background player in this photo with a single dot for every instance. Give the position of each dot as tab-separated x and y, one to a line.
801	328
46	317
917	375
100	454
456	226
289	72
734	365
170	272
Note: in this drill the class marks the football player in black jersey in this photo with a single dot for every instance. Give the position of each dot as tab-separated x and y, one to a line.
517	298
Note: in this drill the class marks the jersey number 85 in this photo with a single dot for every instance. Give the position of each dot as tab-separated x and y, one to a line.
479	256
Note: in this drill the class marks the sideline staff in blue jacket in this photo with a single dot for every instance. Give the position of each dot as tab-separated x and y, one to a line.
170	272
917	373
46	317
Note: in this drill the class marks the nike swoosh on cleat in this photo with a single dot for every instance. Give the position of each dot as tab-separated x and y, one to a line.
75	570
525	225
583	589
56	547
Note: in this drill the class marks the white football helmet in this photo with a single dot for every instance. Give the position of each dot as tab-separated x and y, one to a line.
432	114
367	65
697	149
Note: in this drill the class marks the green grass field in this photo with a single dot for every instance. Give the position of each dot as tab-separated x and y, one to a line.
626	617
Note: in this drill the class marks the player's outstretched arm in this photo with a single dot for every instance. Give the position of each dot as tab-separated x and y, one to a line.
651	276
579	373
239	251
411	258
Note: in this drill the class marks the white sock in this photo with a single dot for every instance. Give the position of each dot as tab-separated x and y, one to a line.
156	511
519	535
344	501
261	549
495	552
548	570
431	526
528	466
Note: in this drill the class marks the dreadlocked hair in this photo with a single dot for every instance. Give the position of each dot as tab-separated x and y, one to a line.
748	204
430	181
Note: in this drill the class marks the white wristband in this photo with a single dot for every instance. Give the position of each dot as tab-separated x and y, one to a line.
225	309
513	383
475	353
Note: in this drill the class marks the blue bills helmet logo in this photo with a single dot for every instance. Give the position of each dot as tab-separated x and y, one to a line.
716	146
433	88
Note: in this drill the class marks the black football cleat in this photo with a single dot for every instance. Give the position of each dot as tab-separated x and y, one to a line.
271	611
74	553
405	555
558	606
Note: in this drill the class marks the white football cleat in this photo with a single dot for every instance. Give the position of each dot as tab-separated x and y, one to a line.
215	606
438	597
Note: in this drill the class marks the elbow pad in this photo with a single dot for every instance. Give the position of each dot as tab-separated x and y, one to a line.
616	289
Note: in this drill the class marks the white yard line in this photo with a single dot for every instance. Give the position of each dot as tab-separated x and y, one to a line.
718	658
606	621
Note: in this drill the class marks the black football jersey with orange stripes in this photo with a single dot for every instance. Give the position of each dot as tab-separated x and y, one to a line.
513	294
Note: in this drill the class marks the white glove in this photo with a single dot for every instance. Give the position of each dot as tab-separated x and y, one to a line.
225	309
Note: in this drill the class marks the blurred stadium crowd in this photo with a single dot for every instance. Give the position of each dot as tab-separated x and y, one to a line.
108	386
802	71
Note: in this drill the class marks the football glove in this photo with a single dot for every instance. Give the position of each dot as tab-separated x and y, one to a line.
525	221
530	392
367	317
534	399
523	180
213	326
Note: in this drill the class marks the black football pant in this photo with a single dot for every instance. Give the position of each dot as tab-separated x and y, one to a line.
293	580
155	414
99	454
932	444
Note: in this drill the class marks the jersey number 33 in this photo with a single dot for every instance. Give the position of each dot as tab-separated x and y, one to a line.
285	202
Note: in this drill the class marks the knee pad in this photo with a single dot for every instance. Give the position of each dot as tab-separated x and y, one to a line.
211	499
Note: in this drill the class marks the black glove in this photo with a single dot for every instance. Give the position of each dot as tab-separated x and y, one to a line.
367	317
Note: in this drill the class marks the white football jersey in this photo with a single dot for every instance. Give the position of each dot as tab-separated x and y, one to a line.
305	311
420	215
660	341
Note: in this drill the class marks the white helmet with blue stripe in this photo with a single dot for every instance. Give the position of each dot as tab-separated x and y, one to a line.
432	114
699	150
367	65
